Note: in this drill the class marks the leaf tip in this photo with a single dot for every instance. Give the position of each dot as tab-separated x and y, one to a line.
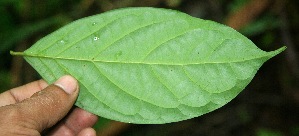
274	53
282	49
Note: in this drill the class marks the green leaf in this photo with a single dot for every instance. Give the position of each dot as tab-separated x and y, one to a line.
148	65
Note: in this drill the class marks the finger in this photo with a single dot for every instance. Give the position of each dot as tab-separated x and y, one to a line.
80	119
77	121
87	132
47	107
20	93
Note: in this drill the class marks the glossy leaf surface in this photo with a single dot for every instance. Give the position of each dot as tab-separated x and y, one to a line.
147	65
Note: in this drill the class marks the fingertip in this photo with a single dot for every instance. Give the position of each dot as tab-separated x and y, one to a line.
68	83
87	132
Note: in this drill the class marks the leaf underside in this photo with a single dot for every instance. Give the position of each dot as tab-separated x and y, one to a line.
148	65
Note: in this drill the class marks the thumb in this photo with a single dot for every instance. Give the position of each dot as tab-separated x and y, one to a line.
45	108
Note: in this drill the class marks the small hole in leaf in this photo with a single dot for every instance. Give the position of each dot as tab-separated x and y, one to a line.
95	38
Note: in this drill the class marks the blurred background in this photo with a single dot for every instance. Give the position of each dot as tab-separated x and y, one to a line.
269	106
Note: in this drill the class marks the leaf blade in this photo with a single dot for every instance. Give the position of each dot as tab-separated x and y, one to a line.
165	66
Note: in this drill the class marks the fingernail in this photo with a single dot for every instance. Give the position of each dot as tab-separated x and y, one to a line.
67	83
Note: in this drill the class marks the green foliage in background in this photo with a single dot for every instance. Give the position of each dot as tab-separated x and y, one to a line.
9	37
268	132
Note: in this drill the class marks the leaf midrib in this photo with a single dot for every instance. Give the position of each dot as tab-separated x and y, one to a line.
145	63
